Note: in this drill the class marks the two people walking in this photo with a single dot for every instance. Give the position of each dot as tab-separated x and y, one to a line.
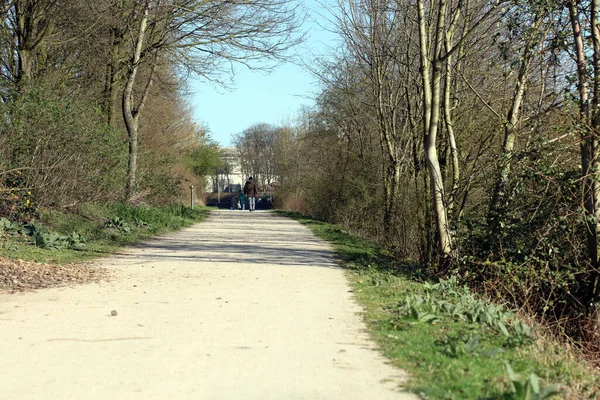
249	192
238	202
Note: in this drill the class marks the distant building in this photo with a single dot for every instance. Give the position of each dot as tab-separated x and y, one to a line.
229	178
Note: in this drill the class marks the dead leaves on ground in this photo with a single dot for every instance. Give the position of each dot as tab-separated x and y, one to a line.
19	275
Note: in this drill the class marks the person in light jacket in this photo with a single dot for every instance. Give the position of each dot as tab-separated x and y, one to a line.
251	191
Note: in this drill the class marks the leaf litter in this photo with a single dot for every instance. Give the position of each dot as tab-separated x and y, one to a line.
20	275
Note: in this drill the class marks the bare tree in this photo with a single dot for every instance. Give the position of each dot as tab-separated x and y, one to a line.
434	19
203	37
256	150
371	32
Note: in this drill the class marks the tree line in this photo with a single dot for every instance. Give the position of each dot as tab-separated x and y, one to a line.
463	136
93	94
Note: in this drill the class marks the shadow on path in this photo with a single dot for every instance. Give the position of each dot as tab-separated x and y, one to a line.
236	236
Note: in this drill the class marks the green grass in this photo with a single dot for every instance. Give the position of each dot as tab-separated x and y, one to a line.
100	237
424	349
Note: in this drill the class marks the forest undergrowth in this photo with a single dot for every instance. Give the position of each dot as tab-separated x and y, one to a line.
456	342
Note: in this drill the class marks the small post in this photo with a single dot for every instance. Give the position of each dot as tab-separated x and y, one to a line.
192	196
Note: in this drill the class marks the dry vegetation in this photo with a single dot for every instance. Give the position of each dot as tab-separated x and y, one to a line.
19	275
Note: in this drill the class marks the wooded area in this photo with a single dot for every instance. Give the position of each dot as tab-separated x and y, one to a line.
93	93
463	136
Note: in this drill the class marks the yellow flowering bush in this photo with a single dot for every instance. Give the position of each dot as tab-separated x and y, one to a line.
16	201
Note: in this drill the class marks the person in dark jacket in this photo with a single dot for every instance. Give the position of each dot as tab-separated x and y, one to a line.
251	191
242	201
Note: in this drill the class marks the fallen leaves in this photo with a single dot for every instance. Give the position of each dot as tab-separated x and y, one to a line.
19	275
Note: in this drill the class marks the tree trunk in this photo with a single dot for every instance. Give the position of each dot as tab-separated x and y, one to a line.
431	77
510	131
110	94
595	144
25	68
130	114
586	143
449	120
32	27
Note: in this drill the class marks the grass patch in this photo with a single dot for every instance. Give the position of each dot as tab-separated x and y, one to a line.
91	231
453	344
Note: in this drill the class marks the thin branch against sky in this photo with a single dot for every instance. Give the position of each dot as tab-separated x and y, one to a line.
251	96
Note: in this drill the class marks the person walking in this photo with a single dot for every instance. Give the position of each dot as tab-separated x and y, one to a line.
251	191
242	201
234	202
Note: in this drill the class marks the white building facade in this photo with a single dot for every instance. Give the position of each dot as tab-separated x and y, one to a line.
229	178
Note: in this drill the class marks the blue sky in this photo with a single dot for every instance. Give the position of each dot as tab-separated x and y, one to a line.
257	97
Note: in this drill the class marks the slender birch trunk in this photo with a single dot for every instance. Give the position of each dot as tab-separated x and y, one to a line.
451	140
586	143
512	119
431	74
448	105
130	112
595	144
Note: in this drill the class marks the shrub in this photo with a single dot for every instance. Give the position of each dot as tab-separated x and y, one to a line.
66	153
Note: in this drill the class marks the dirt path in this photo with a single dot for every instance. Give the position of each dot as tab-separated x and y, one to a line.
241	306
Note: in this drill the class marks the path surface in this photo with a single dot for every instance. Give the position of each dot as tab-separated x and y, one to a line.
241	306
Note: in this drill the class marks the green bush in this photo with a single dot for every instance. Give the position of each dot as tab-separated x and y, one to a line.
531	254
65	151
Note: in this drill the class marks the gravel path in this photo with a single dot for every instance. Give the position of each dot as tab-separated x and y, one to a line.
241	306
